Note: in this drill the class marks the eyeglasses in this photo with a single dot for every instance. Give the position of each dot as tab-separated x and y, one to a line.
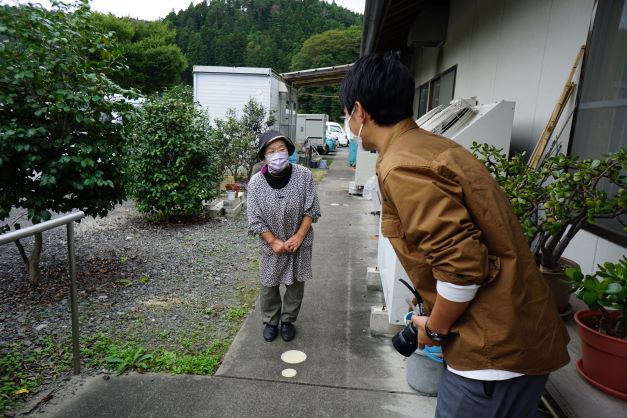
282	148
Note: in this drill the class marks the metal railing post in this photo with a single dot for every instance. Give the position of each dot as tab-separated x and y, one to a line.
76	359
68	220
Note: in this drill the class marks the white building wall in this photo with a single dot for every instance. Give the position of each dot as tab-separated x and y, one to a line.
589	250
520	51
274	98
218	92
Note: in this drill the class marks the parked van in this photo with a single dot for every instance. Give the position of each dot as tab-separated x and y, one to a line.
335	131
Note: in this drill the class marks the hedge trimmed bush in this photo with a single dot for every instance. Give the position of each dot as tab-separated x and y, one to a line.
173	162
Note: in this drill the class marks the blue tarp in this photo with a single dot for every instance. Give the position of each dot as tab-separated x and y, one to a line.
352	153
331	145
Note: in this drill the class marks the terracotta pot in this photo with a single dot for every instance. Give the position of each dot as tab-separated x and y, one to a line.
560	290
603	358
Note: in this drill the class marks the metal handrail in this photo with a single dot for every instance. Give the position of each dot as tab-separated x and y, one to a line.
44	226
40	227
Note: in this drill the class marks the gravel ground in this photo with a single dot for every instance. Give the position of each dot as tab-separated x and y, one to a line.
165	285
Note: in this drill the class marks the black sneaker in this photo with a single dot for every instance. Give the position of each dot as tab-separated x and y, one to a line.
288	332
270	332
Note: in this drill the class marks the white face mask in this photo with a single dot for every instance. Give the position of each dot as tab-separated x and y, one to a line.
277	162
347	128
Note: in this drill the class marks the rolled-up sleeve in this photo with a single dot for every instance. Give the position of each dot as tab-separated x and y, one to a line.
434	219
312	205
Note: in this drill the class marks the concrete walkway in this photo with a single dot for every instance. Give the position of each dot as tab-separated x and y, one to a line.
347	373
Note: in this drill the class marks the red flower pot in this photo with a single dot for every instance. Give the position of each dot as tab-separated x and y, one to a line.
604	358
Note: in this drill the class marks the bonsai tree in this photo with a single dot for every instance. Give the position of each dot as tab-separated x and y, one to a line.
554	201
519	182
604	291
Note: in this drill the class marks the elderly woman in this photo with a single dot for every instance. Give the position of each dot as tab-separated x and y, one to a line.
282	205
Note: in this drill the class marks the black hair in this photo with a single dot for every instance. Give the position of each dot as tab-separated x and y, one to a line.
383	85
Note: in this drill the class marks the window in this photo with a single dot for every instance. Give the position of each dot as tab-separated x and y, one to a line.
600	124
439	90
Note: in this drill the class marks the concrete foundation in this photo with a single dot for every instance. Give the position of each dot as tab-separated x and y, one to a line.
373	279
354	189
380	323
229	208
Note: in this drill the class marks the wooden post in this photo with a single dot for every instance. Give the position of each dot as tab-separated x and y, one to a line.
568	89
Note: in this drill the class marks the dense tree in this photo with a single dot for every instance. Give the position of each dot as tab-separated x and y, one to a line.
173	159
238	137
333	47
60	146
264	33
154	61
255	120
228	133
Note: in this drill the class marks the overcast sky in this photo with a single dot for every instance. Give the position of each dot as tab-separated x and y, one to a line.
156	9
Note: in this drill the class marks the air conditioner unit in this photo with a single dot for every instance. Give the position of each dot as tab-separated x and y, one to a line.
464	123
430	114
450	119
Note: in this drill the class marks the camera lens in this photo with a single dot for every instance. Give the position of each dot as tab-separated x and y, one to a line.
406	341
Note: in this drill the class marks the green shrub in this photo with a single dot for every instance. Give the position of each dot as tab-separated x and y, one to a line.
554	201
604	291
59	146
60	143
173	162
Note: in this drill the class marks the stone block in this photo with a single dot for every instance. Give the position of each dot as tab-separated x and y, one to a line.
216	209
354	189
233	211
373	279
380	323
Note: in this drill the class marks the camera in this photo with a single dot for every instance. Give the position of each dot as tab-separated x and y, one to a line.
406	341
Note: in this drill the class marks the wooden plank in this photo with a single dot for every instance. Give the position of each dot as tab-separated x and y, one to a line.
573	394
557	112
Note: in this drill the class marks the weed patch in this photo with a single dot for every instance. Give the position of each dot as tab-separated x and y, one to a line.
22	368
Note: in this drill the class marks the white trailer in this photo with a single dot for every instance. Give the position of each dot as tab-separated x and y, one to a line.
313	127
218	89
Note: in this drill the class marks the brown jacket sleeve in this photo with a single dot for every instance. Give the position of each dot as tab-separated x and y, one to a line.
435	220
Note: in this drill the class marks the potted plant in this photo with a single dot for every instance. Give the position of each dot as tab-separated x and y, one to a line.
232	190
554	201
603	328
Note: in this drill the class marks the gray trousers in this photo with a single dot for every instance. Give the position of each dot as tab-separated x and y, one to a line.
272	308
469	398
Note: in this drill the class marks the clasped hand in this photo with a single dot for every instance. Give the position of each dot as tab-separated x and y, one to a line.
289	246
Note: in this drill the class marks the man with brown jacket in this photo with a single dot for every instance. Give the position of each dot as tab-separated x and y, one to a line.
457	237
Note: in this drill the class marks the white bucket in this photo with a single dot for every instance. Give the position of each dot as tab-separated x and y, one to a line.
230	195
424	374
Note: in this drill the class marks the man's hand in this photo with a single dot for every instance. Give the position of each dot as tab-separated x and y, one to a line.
293	243
419	322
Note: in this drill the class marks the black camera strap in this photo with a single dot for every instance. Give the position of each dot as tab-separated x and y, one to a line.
421	310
